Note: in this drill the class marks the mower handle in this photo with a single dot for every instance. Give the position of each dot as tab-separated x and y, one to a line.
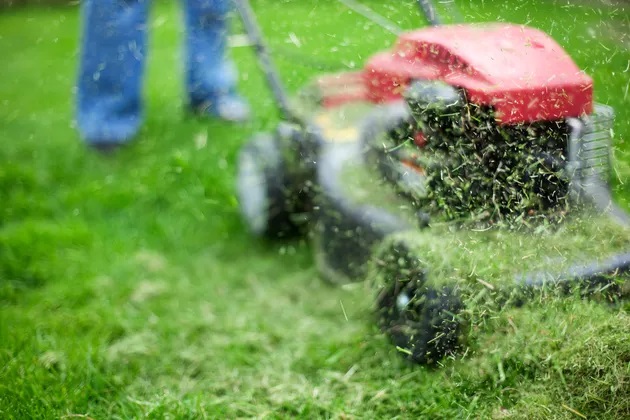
253	32
428	10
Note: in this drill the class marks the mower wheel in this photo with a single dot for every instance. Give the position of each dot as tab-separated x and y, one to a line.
420	319
264	191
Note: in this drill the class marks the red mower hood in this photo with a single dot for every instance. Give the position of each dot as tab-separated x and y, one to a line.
520	71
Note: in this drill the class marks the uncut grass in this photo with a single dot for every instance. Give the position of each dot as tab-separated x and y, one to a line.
133	290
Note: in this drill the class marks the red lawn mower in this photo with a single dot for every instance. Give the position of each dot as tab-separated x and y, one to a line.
455	163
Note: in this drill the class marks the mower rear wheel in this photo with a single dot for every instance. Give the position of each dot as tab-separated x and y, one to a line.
264	190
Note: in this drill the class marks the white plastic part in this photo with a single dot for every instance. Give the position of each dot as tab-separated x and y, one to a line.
402	300
252	191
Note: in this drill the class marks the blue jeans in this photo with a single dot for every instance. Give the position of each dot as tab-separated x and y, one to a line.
112	62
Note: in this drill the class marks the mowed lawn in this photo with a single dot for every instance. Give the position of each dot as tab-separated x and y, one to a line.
129	286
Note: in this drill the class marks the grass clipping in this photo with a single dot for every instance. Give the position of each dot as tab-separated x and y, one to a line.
553	352
552	359
475	168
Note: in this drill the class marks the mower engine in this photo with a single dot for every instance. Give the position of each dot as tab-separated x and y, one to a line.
503	122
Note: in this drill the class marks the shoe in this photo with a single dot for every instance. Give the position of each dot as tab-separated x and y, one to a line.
105	147
230	108
105	133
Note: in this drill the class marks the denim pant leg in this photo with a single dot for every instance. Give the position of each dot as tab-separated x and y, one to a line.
209	72
112	58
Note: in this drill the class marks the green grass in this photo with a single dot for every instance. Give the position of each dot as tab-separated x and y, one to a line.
130	288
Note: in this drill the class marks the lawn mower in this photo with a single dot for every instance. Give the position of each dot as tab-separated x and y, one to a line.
462	171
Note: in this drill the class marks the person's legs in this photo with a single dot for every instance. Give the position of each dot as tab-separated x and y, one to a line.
210	74
112	57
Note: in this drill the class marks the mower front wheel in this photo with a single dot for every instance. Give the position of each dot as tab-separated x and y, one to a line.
420	319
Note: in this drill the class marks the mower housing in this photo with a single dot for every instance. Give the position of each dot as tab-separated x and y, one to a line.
518	71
